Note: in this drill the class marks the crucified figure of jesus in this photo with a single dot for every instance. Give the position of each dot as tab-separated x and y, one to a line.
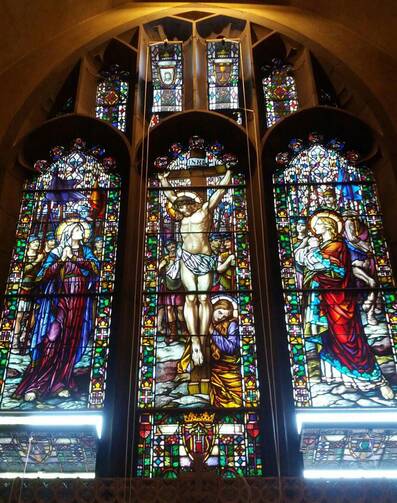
195	263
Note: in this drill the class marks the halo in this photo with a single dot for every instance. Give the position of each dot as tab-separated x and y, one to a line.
230	299
190	195
326	214
61	227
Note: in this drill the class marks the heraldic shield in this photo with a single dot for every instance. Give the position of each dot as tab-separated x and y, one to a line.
223	71
198	434
167	71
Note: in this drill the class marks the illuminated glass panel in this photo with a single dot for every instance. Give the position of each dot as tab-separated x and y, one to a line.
223	60
229	444
279	91
333	448
198	347
55	451
167	77
340	301
58	300
112	97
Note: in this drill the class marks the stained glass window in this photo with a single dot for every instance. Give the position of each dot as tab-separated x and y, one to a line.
279	91
112	97
53	451
223	67
342	448
58	300
339	292
167	77
198	389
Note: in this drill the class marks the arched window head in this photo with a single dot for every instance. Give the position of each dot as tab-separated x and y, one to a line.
112	96
340	302
279	91
223	68
58	300
198	392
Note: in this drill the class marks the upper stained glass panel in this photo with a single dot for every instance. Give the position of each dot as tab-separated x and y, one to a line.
112	97
340	302
55	324
223	68
279	92
198	348
167	77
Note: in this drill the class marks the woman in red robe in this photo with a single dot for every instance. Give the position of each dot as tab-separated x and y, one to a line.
333	311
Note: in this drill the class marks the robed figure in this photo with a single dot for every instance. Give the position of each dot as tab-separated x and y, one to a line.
332	314
226	387
63	316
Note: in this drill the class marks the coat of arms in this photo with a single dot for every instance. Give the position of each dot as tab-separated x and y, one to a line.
223	71
198	434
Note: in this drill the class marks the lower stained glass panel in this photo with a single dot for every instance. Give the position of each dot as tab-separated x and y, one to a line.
168	444
333	448
56	451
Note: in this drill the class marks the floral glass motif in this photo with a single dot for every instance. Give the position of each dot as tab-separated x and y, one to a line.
167	77
279	91
112	97
223	67
54	332
340	301
198	338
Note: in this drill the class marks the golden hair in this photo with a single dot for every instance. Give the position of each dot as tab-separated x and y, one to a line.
330	224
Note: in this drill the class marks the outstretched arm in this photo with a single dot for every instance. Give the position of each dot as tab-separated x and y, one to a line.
169	194
216	197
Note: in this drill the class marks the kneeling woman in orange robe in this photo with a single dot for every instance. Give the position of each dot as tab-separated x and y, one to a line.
226	388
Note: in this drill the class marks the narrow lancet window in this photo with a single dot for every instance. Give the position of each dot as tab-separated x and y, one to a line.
167	77
223	68
112	97
279	91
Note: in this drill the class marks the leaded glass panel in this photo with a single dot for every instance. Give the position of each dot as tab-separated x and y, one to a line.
279	91
112	97
223	68
58	301
60	451
341	448
198	349
167	77
339	291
